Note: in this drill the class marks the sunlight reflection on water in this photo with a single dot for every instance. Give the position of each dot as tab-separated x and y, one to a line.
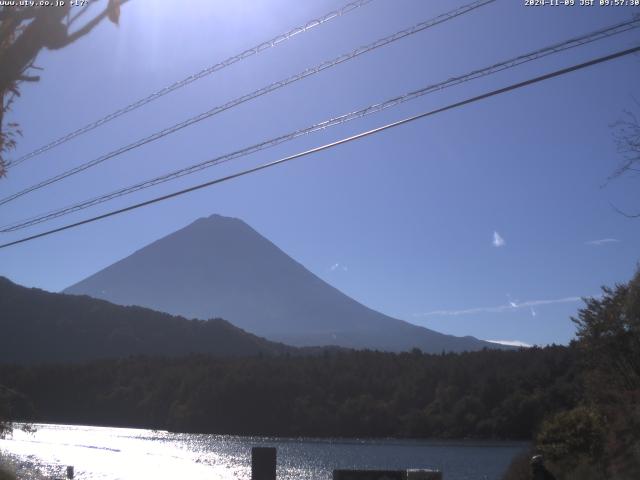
103	453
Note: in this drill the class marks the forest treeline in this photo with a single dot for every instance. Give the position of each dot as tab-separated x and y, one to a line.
579	404
600	437
38	326
487	394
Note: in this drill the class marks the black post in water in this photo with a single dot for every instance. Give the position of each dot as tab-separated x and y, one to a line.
263	463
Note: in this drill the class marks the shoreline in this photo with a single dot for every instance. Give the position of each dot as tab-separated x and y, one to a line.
117	453
13	468
463	441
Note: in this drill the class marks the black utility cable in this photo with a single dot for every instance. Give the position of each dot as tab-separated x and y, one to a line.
358	136
277	40
253	95
597	35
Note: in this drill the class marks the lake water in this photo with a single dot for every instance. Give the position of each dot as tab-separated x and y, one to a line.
134	454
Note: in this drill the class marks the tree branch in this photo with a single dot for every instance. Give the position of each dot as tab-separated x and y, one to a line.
29	78
89	25
628	215
19	15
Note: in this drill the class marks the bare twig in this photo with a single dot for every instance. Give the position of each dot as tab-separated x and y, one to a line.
628	215
91	24
29	78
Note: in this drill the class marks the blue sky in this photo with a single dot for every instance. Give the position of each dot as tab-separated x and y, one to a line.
490	220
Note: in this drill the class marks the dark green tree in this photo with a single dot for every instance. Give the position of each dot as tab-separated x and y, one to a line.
608	337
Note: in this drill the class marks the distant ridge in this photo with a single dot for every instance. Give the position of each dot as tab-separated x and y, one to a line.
43	327
221	267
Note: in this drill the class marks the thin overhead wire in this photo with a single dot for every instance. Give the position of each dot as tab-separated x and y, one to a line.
327	146
255	94
273	42
591	37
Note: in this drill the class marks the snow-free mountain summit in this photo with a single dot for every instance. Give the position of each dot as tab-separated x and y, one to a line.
221	267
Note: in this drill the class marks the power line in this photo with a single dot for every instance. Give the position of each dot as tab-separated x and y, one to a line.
327	146
277	40
375	108
255	94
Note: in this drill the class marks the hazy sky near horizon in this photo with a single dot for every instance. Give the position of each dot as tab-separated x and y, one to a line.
490	220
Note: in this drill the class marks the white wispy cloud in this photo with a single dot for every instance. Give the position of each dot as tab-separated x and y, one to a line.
500	308
498	241
602	241
511	343
338	266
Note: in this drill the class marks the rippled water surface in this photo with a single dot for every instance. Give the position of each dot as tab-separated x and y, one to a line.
134	454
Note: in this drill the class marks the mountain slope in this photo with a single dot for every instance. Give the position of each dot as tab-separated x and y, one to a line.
219	266
38	326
